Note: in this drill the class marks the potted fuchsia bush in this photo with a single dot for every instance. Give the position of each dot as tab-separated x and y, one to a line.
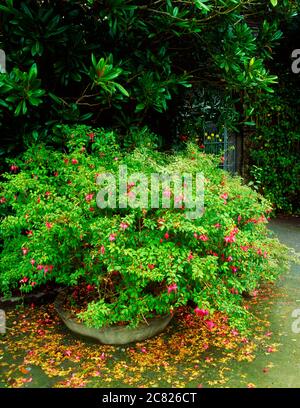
124	267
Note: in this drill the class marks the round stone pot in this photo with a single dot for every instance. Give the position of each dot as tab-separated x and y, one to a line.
114	334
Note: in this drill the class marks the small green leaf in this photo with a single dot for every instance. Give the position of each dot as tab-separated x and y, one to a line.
32	72
139	107
121	89
35	135
94	62
200	5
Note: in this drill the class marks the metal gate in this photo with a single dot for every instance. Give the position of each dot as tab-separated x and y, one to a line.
201	118
221	143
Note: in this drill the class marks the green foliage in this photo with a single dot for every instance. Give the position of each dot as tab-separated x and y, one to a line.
274	145
141	261
116	63
274	153
241	58
20	90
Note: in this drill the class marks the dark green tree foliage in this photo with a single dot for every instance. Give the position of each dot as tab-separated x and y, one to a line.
120	63
275	143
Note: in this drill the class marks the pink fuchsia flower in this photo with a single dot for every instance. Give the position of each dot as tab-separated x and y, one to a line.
203	237
229	239
167	236
172	288
116	158
102	356
2	200
210	324
124	226
233	268
270	350
229	259
130	185
33	284
167	193
112	237
90	288
24	280
25	251
102	250
55	174
190	256
89	197
217	225
14	168
32	262
131	194
234	332
179	198
244	248
74	161
224	196
151	266
195	235
49	225
239	218
201	312
91	209
40	267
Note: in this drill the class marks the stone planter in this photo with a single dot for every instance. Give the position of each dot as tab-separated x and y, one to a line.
110	335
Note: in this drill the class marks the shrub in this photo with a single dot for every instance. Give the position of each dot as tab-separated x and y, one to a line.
140	261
